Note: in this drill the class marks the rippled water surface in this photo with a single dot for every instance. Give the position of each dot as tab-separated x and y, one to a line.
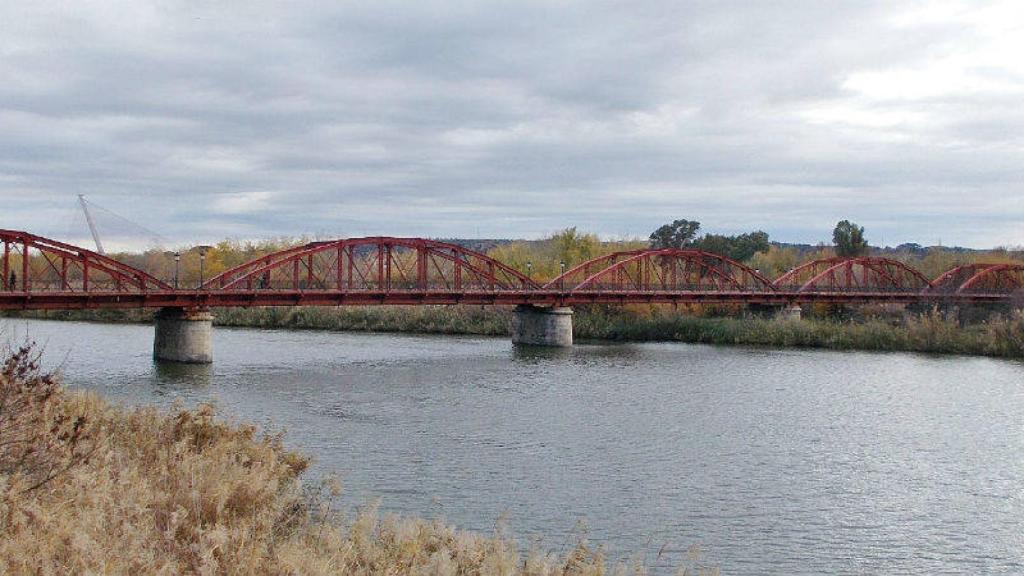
778	462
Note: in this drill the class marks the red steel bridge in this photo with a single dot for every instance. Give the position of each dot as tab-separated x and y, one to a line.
39	273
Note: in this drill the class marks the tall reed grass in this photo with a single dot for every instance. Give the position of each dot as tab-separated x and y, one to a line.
477	320
931	332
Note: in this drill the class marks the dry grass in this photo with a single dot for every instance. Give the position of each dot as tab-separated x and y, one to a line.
185	493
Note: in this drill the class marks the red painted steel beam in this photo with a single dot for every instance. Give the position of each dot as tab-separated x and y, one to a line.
203	299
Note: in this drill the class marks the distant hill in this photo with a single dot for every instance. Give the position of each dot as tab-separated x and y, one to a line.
479	244
906	248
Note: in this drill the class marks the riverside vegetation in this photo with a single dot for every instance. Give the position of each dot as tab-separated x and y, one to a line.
1000	335
91	488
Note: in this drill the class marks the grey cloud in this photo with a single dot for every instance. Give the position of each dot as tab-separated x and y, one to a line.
506	119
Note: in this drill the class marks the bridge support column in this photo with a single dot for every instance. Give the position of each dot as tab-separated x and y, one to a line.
539	326
794	312
183	336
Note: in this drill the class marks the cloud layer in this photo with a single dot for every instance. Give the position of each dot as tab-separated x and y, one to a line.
255	119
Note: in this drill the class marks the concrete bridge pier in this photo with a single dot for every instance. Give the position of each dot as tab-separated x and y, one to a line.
792	312
183	336
542	326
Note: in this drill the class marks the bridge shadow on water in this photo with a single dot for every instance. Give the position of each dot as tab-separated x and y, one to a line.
534	354
174	376
581	351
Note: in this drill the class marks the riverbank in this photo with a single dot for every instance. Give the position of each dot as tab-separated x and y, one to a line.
999	336
86	487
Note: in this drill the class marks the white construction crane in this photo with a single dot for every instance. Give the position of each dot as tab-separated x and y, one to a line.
92	225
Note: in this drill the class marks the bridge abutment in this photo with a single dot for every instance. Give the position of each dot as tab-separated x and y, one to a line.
542	326
183	336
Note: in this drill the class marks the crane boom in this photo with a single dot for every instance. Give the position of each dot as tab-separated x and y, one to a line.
92	225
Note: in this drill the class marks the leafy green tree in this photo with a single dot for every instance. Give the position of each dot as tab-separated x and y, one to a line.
849	239
740	248
678	234
775	261
683	234
573	247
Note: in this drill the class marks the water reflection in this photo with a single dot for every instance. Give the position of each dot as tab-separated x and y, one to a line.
534	354
170	376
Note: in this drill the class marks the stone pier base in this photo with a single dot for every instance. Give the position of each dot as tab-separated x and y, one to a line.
538	326
183	336
794	312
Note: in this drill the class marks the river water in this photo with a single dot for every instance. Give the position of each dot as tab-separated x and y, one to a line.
772	461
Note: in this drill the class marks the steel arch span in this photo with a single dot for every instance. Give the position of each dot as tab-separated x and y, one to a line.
949	282
994	279
863	274
374	264
662	270
34	264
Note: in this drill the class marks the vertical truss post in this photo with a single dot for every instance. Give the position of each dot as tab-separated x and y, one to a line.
339	273
351	258
7	266
380	265
26	283
421	268
458	272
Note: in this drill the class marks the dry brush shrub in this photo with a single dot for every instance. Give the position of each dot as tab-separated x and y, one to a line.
39	439
163	493
1006	335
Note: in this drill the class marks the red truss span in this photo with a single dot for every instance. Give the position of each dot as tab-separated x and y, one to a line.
853	275
35	264
981	279
665	270
39	273
374	264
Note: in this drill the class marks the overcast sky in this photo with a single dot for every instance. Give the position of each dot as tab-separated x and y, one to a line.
205	120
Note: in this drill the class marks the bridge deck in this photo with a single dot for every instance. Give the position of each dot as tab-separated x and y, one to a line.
236	298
